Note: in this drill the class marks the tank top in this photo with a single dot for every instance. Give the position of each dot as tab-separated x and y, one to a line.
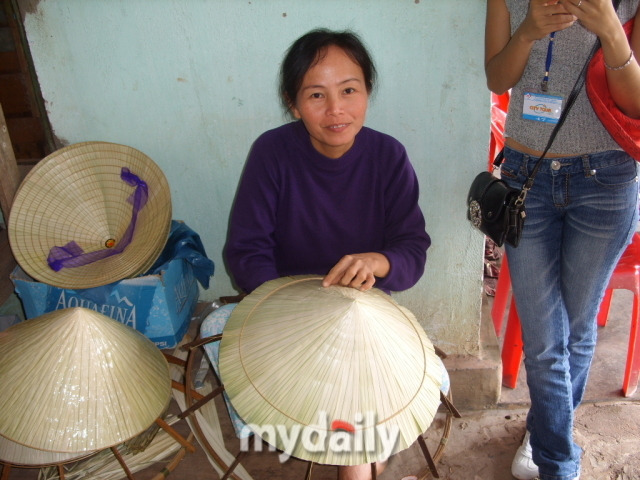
582	131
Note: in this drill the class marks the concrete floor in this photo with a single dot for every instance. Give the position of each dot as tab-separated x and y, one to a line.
481	444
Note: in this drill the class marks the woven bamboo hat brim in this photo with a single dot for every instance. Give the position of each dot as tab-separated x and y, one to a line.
75	381
16	454
76	194
299	358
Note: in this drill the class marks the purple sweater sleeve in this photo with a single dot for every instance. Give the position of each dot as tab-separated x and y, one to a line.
297	212
406	241
250	249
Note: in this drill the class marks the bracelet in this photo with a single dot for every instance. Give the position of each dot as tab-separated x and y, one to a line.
626	64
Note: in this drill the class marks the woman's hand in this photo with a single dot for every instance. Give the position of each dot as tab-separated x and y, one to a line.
544	17
597	16
358	271
506	56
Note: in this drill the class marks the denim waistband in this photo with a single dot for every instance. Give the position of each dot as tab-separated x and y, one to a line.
578	163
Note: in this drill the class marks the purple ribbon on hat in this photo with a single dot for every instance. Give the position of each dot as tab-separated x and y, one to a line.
72	255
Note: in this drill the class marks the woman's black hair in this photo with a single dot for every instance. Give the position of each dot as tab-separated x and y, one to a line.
309	49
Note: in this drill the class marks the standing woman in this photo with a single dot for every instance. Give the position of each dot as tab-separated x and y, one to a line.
581	211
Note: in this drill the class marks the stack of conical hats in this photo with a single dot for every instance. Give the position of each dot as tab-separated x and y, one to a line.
76	382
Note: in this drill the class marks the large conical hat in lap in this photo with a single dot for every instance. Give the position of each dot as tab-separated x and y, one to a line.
331	375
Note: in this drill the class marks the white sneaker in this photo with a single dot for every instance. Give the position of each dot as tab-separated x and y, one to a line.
522	466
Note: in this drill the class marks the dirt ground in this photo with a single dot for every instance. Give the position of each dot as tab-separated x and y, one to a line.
481	445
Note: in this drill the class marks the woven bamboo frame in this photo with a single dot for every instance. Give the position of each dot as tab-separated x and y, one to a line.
195	401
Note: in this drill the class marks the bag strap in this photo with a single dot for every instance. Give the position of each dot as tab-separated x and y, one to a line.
575	91
563	115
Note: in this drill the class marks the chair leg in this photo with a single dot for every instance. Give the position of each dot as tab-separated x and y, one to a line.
428	457
175	435
6	471
632	369
603	313
512	348
233	466
309	470
447	403
122	463
503	288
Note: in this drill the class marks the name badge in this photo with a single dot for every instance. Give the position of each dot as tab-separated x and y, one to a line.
541	107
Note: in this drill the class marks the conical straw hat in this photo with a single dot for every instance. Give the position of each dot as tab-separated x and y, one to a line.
75	381
305	365
76	194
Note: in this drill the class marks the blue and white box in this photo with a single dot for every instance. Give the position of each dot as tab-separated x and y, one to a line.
160	306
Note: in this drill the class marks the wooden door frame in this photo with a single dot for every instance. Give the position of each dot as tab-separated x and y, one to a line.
9	182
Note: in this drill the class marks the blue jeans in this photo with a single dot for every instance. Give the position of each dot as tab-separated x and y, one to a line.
581	213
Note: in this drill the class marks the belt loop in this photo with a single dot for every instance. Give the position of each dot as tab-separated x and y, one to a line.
525	164
586	165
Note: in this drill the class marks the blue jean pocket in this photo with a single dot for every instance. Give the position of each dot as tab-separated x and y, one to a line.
617	175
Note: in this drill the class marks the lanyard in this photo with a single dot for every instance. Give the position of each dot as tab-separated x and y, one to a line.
547	65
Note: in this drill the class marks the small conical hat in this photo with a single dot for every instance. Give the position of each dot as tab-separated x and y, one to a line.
75	381
341	370
77	195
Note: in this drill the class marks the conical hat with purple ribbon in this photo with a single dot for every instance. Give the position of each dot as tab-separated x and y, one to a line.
90	214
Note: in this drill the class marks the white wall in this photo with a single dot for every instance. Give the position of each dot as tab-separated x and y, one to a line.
191	83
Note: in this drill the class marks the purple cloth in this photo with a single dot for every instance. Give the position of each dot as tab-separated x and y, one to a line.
72	254
299	212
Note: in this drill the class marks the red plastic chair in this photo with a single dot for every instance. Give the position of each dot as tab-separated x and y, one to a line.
512	343
499	107
625	276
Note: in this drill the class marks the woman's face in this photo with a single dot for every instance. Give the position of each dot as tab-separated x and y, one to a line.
332	102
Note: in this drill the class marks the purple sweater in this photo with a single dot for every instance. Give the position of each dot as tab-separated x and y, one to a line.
299	212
